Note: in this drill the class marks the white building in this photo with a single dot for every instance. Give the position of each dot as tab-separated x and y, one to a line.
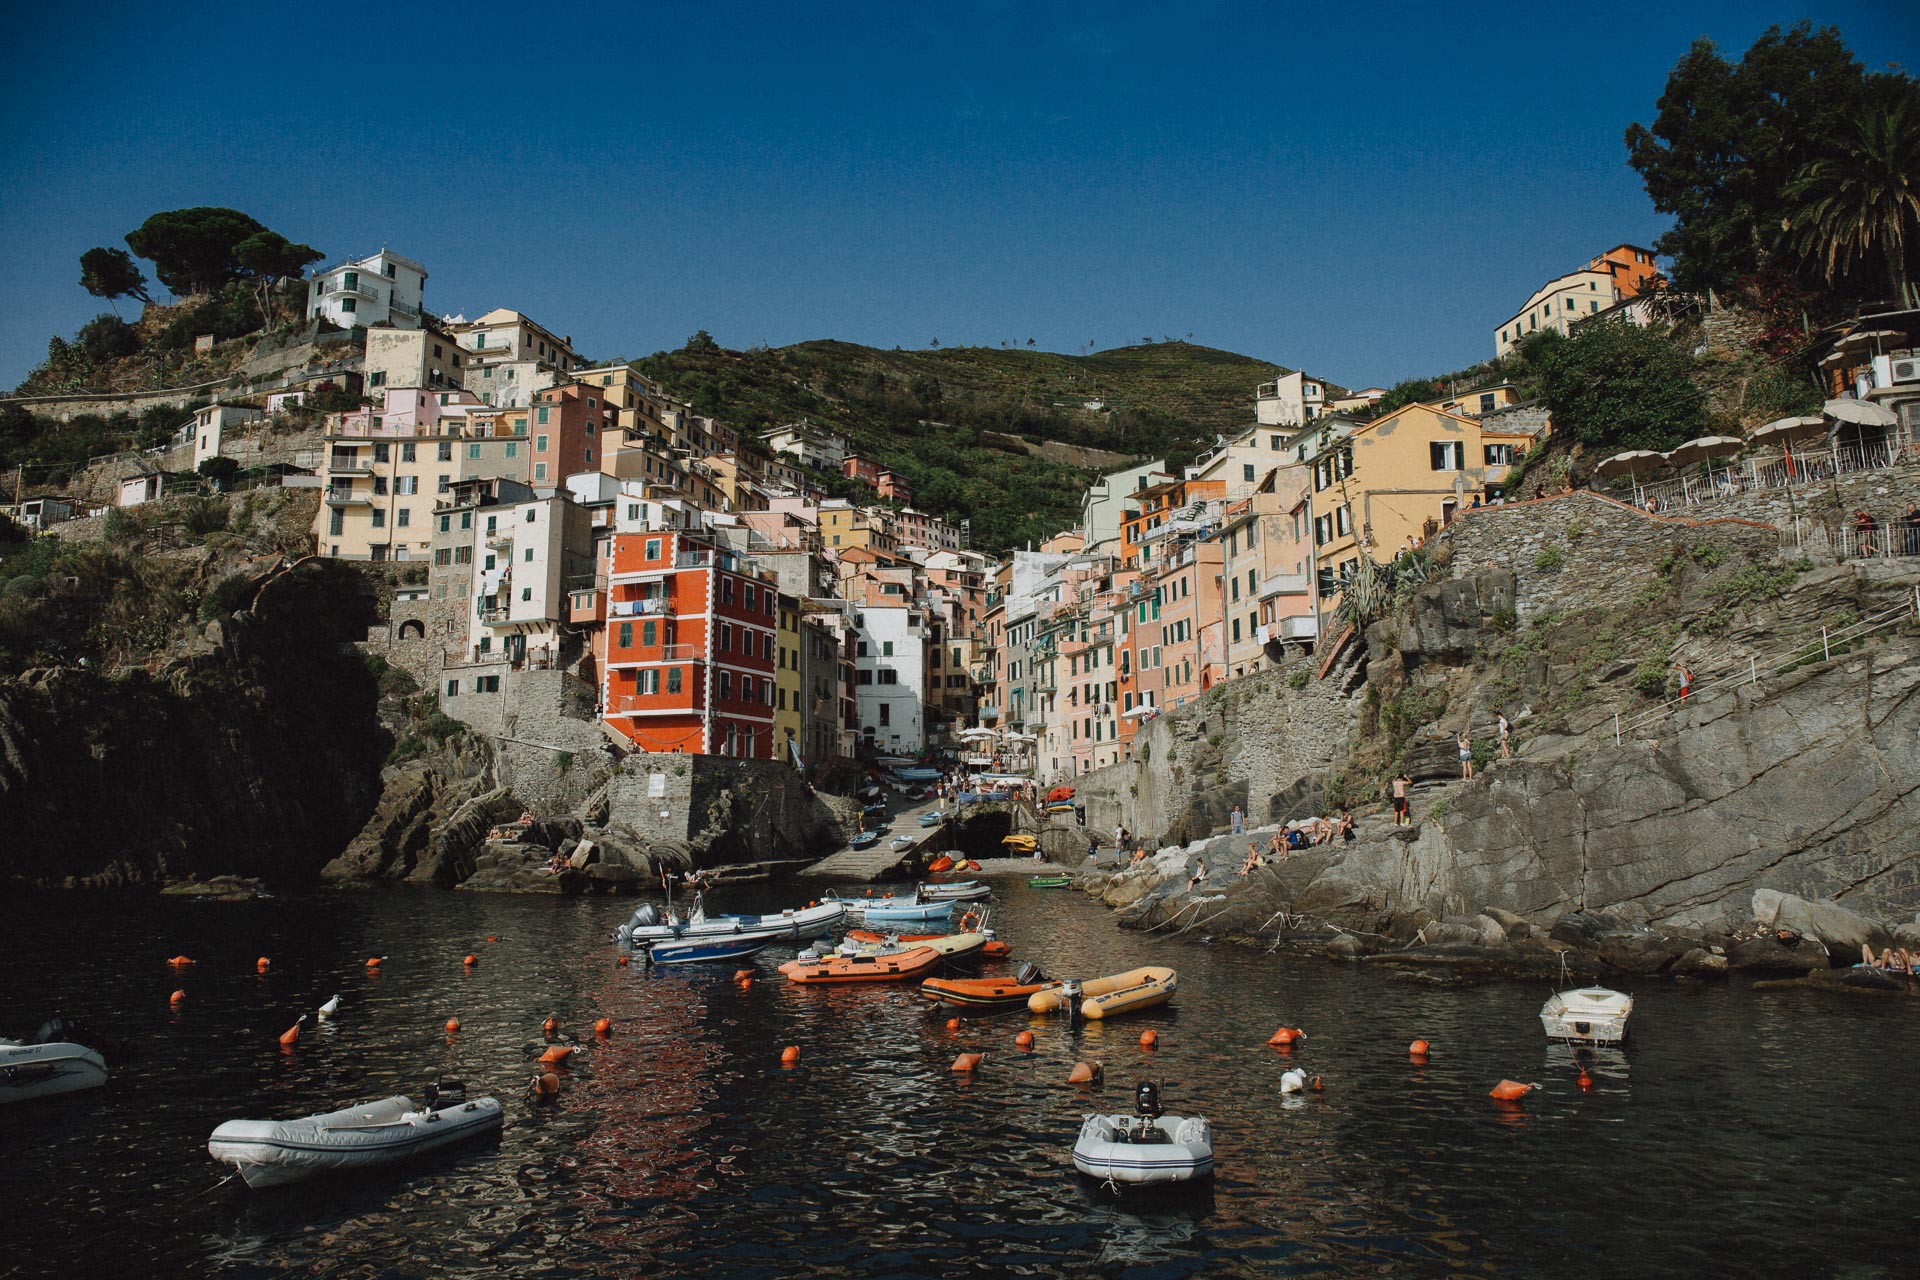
424	358
527	553
1289	401
1100	510
890	677
821	450
1244	461
383	289
212	422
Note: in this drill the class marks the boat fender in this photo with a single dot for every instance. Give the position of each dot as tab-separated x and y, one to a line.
1293	1081
551	1027
543	1086
621	962
558	1054
292	1033
261	964
471	961
453	1025
373	962
742	975
1148	1039
967	1062
1585	1081
1086	1073
1316	1084
1418	1049
1024	1041
790	1055
603	1028
953	1024
1286	1037
1511	1091
179	961
177	997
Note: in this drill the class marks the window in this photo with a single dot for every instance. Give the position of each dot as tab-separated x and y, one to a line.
1486	402
1498	455
381	451
539	471
406	486
526	593
406	452
750	604
1343	519
886	713
349	304
726	590
379	518
726	637
886	648
404	517
766	647
726	684
649	633
540	442
528	558
653	548
336	522
1246	471
1444	455
541	417
626	635
673	679
650	682
513	449
453	688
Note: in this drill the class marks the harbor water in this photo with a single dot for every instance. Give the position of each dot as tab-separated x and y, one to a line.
1740	1130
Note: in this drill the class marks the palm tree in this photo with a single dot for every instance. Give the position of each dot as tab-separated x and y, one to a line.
1861	200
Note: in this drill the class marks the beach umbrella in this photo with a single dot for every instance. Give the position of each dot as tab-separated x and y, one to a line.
1705	448
1860	413
1630	463
1782	430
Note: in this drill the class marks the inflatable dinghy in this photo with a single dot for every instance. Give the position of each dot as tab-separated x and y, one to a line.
272	1153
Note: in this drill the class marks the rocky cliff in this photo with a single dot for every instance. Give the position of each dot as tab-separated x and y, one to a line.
253	750
1793	770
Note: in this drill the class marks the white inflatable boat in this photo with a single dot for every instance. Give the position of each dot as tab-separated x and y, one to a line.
43	1070
799	925
1591	1015
1146	1147
271	1153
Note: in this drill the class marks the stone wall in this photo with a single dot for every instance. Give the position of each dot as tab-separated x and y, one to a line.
548	744
726	810
1597	540
67	408
1731	329
1246	742
1816	506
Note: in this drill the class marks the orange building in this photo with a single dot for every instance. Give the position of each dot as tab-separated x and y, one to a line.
691	635
568	422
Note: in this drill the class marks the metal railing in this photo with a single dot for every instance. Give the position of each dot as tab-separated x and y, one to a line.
1832	641
1720	481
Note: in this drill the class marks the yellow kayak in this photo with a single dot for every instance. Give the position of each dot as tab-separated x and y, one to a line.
1112	996
1021	844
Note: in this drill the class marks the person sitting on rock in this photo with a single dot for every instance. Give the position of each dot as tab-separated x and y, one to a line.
1346	826
1199	876
1253	859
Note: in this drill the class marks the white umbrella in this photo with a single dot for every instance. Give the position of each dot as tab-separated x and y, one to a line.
1781	429
976	733
1704	448
1627	463
1861	413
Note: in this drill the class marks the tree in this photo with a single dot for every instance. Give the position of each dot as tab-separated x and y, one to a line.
1858	205
268	257
111	273
1729	139
702	341
220	470
192	250
1616	385
106	338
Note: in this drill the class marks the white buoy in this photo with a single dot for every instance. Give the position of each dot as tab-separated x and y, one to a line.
1293	1081
330	1008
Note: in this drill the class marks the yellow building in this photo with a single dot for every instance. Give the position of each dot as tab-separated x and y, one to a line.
639	399
1380	487
787	716
844	526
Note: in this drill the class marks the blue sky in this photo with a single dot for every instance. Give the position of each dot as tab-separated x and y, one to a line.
1364	192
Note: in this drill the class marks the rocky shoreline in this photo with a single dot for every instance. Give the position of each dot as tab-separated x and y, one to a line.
1790	941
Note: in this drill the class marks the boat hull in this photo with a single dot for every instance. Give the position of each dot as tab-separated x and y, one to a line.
1138	986
273	1153
981	995
710	950
1183	1153
803	925
1591	1015
899	966
29	1071
1049	882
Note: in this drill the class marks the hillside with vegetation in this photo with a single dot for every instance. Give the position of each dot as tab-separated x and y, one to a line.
965	424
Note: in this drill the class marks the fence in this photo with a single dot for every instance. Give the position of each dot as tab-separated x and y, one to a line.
1719	481
1832	640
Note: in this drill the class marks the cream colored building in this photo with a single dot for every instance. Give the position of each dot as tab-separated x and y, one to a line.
1289	401
413	358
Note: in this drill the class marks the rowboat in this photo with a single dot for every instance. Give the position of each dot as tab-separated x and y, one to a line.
933	819
799	925
1049	882
895	966
895	910
1111	996
710	950
271	1153
986	995
1146	1147
863	839
995	948
43	1070
956	891
1591	1015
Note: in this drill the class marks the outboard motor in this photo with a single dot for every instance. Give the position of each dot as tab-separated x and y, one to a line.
646	916
1146	1100
1027	974
1070	991
58	1030
446	1092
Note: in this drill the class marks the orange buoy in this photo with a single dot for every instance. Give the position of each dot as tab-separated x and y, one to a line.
551	1027
1286	1037
953	1024
373	962
1418	1049
790	1055
471	961
1148	1039
546	1084
967	1061
622	962
453	1025
292	1033
743	975
1085	1073
493	937
557	1055
176	997
261	964
604	1027
745	983
1024	1040
1316	1084
1585	1081
1511	1090
179	961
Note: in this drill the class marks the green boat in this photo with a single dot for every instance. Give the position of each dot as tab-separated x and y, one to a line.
1049	882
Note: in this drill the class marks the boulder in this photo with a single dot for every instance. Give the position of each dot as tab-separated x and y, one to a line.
1907	935
1843	930
1583	928
1492	932
1699	963
1516	926
1767	954
1442	932
1640	952
1343	946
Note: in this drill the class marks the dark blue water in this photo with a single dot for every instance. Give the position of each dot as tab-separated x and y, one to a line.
1742	1131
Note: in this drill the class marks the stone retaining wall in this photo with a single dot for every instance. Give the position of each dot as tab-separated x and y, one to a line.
725	810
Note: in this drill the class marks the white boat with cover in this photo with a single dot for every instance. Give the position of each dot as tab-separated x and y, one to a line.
50	1064
272	1153
802	925
1589	1015
1144	1148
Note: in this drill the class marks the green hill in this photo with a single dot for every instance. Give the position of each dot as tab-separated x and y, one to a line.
960	423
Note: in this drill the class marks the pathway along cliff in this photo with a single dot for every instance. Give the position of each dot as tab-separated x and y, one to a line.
1782	798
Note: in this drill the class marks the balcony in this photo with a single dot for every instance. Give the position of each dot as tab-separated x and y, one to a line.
1284	584
660	653
360	288
655	607
344	496
499	616
349	463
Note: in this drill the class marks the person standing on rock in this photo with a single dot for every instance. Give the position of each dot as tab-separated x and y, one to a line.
1506	737
1239	821
1466	755
1686	682
1402	814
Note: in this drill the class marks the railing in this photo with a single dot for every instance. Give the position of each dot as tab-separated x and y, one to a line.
404	308
660	653
656	607
341	496
1770	471
1899	537
1832	640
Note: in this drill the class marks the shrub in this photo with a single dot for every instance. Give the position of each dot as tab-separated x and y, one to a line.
1650	677
203	516
120	526
1213	739
1505	620
1708	554
229	595
1550	559
1298	680
1575	530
